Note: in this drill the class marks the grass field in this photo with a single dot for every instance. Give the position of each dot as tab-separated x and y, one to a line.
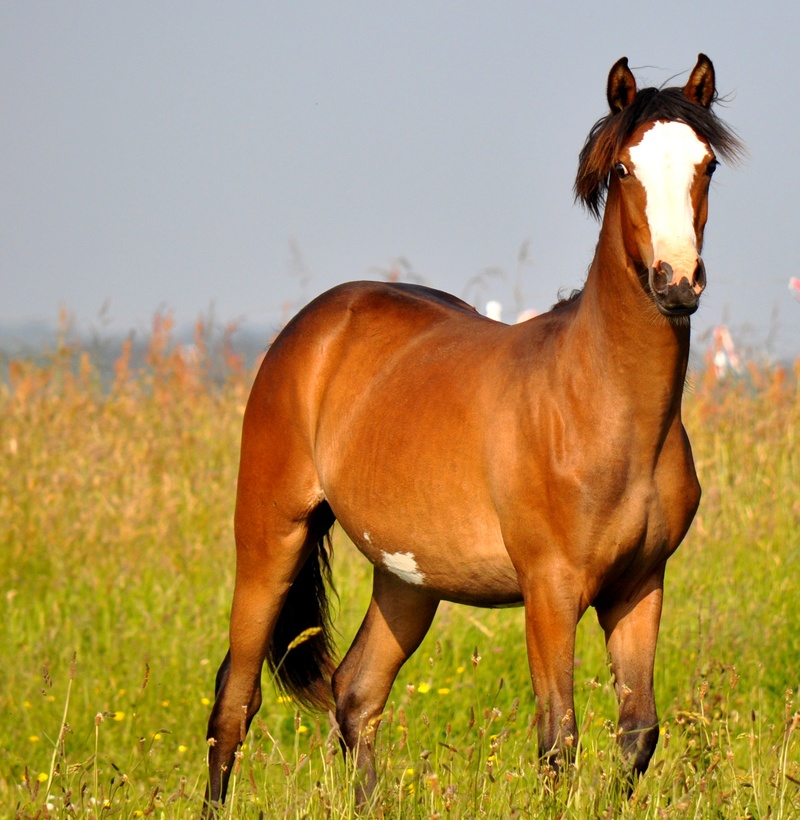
116	570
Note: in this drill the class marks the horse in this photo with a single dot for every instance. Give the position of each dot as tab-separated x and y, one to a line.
543	464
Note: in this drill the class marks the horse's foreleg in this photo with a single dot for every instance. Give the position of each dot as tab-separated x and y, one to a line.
631	628
398	617
551	617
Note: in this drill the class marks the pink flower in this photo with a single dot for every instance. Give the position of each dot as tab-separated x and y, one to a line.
794	287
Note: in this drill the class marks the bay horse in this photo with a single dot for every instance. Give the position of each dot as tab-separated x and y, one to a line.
542	464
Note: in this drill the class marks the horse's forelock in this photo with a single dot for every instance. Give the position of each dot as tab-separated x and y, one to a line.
609	135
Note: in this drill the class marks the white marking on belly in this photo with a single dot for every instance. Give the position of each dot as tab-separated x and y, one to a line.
403	565
367	537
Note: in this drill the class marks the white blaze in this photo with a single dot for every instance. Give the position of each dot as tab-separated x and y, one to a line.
403	565
665	162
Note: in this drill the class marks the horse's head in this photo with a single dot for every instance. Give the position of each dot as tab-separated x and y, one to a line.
655	153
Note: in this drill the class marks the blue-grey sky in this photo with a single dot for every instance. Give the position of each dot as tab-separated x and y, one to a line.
244	156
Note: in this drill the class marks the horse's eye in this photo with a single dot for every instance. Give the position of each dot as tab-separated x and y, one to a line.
711	167
621	171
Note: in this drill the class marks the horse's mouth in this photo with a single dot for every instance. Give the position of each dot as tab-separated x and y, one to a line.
676	312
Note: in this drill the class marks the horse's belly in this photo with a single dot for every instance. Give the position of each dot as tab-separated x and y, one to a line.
469	569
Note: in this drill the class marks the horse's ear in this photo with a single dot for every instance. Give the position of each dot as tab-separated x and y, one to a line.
621	88
701	87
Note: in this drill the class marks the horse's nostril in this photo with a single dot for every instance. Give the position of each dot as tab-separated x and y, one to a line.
700	276
661	275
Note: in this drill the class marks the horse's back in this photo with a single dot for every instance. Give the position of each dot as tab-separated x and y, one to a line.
351	335
379	309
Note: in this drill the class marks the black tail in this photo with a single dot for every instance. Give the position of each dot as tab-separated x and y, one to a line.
304	671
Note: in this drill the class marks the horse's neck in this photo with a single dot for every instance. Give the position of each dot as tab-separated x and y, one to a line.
643	353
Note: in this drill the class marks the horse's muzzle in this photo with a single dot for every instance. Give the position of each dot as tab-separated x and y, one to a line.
676	298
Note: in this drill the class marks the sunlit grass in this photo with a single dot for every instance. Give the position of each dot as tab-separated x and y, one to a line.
116	572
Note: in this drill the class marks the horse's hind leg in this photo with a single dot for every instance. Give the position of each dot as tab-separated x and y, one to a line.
631	627
271	549
263	578
398	617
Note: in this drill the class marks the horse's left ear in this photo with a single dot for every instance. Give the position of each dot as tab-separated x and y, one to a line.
701	87
621	87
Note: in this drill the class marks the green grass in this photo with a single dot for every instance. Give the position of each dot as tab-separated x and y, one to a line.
116	573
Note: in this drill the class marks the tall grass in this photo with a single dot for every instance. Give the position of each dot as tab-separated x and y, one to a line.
116	572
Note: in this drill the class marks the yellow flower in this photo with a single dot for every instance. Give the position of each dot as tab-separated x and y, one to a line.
26	704
205	701
423	688
443	691
165	703
183	748
119	715
42	777
302	729
459	670
157	736
34	738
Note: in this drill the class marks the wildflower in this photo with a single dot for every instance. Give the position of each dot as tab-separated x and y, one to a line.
34	738
423	688
183	748
443	691
205	701
165	703
119	716
42	777
302	729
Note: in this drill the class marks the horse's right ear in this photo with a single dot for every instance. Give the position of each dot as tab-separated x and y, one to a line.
621	88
